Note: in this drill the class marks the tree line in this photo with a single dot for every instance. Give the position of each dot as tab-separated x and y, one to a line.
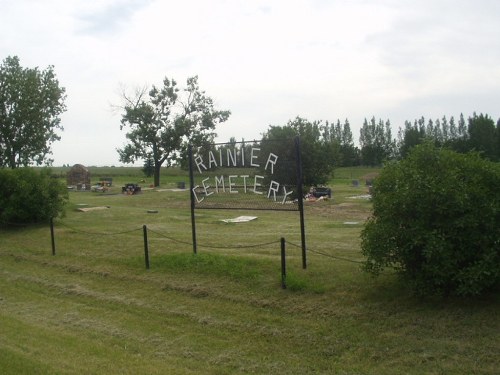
162	121
377	145
327	145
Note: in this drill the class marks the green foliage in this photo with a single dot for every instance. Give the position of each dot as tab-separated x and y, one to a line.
164	121
339	136
149	167
478	134
28	196
482	136
436	220
31	102
317	156
376	142
410	137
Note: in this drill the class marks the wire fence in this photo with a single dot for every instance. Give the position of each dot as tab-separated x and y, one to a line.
208	246
326	255
282	243
190	243
77	230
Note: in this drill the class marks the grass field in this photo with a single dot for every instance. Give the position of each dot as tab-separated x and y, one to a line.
94	308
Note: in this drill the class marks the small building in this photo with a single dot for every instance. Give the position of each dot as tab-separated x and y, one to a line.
78	177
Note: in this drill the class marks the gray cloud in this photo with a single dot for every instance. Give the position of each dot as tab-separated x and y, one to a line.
424	31
266	61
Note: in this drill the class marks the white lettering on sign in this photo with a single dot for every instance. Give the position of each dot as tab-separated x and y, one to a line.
219	182
211	160
272	159
254	155
231	160
285	194
234	184
199	162
231	184
273	188
196	195
206	187
255	184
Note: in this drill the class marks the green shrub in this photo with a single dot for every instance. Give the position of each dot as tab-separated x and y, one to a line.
29	196
436	220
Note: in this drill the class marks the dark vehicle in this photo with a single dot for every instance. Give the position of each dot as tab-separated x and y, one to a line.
318	192
130	189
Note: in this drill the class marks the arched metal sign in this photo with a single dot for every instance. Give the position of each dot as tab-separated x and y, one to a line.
258	175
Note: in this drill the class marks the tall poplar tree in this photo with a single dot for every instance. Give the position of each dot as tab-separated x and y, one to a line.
482	135
376	142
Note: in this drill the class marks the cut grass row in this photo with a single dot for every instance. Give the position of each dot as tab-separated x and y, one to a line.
94	308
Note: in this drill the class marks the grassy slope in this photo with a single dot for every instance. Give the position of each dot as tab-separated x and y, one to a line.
94	308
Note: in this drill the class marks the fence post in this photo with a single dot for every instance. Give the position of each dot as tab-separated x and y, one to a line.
146	249
191	194
52	236
283	264
300	195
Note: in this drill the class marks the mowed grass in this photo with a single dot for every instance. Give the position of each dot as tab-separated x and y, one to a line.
94	308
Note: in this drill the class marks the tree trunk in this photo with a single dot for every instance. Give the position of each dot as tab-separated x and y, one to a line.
12	161
157	174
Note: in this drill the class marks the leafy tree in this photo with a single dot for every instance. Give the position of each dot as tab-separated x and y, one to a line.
498	139
479	135
437	133
453	129
165	120
376	142
436	220
331	134
482	135
445	129
349	152
318	156
460	141
462	127
31	102
411	136
340	137
149	167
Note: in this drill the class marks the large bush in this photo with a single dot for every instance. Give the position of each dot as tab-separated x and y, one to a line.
436	220
30	196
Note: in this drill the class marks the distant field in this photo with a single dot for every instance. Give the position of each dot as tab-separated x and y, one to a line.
173	175
122	175
94	308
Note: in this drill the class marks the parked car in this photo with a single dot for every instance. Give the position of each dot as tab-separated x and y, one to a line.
131	189
321	191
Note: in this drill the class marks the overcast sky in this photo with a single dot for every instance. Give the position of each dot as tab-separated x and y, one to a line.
265	61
